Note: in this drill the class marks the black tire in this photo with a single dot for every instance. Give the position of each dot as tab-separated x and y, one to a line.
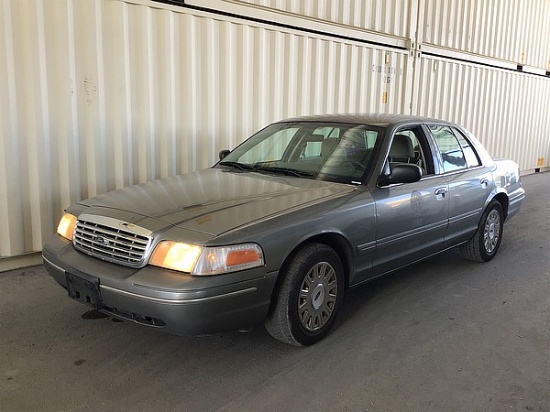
483	246
309	297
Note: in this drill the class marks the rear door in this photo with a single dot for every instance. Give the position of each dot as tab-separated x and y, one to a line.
470	184
411	218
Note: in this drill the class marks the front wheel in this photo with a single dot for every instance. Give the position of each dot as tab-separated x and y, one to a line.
309	297
483	246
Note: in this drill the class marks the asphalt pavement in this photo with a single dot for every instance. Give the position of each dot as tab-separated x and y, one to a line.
444	335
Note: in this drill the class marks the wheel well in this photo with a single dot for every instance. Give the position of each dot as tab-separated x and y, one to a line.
503	200
335	241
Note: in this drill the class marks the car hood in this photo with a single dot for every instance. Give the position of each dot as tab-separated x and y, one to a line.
215	201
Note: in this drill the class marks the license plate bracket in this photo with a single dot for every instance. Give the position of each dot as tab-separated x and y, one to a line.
84	288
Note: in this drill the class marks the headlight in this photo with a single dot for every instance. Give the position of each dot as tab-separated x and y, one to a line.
176	256
66	226
201	261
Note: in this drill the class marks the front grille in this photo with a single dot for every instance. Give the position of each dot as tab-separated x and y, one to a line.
111	240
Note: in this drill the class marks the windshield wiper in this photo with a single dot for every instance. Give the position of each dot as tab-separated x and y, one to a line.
285	171
241	166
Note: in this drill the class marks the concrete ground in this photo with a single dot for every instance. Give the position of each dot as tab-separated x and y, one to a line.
444	335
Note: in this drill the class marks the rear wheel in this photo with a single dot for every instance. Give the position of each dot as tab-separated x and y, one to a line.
309	297
483	246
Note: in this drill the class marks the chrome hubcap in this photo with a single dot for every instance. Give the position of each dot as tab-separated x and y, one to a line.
491	232
317	297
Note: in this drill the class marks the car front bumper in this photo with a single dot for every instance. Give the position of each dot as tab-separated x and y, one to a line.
178	303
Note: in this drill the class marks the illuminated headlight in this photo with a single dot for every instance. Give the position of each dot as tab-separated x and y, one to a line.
66	226
204	261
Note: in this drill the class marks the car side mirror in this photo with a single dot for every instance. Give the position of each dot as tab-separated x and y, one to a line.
401	173
223	153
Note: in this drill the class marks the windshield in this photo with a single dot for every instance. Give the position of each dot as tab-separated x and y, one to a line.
337	152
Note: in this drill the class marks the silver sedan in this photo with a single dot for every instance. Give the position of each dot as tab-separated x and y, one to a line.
282	225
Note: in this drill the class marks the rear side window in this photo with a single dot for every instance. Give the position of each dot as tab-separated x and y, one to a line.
456	152
471	157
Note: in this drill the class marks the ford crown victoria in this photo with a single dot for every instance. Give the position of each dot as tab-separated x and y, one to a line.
281	226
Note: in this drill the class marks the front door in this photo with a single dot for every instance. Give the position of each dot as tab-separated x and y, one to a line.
411	218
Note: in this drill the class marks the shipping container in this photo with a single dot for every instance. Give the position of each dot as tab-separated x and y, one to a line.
515	31
508	111
104	94
390	17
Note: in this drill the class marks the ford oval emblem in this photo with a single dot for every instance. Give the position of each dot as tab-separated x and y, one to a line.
101	240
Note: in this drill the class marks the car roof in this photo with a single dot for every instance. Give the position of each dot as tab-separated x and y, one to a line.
376	119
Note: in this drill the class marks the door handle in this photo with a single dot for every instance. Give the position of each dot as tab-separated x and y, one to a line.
484	182
440	193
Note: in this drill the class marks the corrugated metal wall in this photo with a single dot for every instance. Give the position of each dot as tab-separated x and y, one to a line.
509	112
511	30
389	16
104	94
101	94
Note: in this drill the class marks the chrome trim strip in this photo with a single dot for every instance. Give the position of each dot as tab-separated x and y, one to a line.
384	242
464	216
177	301
366	247
458	171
